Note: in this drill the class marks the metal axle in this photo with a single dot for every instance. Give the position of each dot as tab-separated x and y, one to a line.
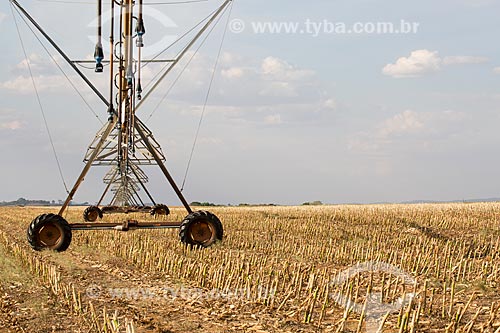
125	226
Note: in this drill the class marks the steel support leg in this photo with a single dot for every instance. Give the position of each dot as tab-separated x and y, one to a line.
86	169
161	165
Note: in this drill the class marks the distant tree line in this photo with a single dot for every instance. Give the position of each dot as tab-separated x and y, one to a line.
313	203
203	204
210	204
256	205
26	202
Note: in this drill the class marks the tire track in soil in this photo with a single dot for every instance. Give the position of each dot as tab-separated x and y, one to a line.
100	277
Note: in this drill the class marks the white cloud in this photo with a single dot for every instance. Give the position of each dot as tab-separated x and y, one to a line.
35	61
265	81
48	78
405	122
10	119
231	59
409	127
40	65
422	62
306	114
418	63
46	75
496	70
11	125
463	60
272	87
410	122
274	119
24	85
278	89
330	104
263	91
2	17
281	70
212	141
233	73
279	79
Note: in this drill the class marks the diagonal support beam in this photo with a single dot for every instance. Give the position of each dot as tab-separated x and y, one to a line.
86	169
160	163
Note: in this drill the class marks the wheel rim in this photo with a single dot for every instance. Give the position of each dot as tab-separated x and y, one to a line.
50	235
202	232
92	215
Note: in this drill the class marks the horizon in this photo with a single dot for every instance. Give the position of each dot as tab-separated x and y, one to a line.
58	202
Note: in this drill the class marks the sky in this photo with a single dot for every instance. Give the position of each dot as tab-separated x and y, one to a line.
312	112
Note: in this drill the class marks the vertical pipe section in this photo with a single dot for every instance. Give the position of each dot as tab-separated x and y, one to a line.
112	59
99	53
140	30
120	88
127	34
127	80
99	21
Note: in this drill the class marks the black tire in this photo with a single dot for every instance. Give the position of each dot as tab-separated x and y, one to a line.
90	214
160	209
49	231
201	229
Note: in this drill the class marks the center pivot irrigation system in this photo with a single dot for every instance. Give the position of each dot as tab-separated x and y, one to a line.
124	143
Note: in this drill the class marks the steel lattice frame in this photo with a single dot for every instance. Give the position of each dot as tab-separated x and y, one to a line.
124	143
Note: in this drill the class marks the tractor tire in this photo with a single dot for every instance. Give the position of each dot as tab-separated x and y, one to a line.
160	209
92	213
49	231
201	229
